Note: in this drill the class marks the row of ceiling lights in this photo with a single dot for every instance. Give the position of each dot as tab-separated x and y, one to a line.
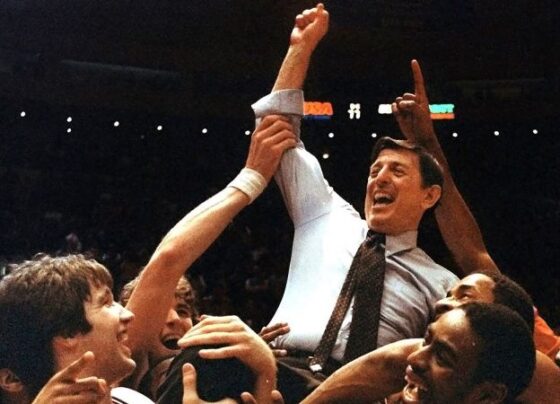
159	128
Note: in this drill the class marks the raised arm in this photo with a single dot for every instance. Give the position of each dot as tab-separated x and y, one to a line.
300	178
458	226
368	378
192	235
309	28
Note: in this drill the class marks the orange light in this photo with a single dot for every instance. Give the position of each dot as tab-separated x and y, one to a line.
317	108
442	116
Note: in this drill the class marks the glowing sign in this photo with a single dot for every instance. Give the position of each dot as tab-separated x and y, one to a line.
317	110
442	111
437	111
384	109
354	111
441	108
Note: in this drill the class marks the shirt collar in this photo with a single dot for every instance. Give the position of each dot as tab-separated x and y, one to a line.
399	243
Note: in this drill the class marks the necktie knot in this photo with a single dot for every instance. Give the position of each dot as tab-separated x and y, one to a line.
374	239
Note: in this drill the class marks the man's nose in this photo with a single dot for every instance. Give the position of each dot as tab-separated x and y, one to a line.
383	176
172	316
445	305
125	315
418	360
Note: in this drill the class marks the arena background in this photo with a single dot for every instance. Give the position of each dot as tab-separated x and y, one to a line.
179	78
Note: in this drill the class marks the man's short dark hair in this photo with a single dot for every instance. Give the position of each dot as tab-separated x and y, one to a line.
430	170
41	299
183	291
507	354
509	293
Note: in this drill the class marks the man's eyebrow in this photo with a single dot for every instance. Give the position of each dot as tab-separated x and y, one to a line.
440	344
391	163
465	287
446	347
400	164
106	295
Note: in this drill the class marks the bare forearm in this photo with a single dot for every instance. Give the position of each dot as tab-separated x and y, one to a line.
193	234
264	386
371	377
182	245
461	233
457	225
294	68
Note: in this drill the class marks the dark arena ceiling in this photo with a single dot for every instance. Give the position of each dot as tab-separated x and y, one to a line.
193	57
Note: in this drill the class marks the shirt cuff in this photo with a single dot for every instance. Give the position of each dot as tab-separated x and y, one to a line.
280	102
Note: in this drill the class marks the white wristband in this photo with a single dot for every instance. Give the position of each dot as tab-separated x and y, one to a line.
250	182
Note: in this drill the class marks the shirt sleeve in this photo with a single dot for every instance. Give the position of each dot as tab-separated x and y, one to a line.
306	193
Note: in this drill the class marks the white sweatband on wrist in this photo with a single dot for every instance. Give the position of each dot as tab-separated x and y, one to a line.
250	182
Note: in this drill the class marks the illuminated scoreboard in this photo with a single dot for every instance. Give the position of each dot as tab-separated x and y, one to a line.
324	110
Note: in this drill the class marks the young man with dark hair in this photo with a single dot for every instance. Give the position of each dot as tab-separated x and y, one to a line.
180	318
52	311
489	358
381	373
490	288
464	355
506	340
55	310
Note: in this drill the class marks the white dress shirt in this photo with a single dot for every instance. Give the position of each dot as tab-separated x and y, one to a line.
328	231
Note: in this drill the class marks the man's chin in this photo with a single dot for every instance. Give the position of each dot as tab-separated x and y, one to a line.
120	372
377	225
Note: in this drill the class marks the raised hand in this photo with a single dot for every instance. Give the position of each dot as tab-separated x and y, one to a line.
66	388
412	111
240	342
269	334
269	141
310	26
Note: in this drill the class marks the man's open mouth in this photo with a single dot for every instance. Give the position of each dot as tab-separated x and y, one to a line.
416	391
381	198
171	343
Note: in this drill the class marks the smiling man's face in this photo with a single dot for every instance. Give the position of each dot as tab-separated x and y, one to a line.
178	322
108	336
443	369
395	196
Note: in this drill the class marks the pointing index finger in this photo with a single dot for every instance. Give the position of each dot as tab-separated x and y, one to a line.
419	88
77	366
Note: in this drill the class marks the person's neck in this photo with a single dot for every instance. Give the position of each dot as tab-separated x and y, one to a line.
400	232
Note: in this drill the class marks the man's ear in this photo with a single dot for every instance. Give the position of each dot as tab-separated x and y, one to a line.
433	193
10	382
489	393
64	351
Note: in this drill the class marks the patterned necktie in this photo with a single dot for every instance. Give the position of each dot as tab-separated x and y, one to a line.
365	279
367	301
